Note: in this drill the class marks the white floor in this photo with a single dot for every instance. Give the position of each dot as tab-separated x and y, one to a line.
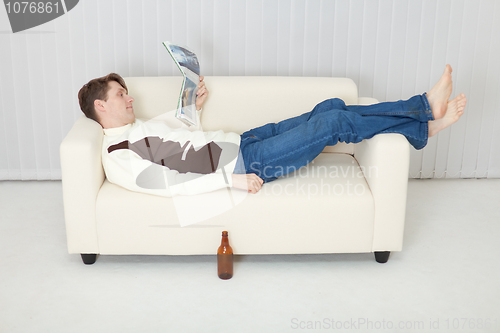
446	279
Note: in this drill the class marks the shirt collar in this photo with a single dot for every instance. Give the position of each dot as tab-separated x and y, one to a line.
116	130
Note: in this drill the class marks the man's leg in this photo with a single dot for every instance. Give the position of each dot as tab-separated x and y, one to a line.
288	151
416	108
435	104
276	149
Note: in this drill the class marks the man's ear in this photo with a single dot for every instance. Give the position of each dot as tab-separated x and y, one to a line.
98	105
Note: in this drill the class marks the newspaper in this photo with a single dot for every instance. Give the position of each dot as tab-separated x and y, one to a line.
187	62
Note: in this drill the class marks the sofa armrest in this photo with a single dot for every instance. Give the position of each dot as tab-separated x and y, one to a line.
385	161
82	177
367	100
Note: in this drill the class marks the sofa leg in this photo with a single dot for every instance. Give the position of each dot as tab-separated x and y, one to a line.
382	256
89	258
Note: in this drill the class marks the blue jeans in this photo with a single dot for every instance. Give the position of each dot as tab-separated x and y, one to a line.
274	149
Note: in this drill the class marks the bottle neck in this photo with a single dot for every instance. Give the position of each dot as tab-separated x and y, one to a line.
224	241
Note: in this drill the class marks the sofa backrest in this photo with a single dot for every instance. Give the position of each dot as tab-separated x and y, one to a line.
239	103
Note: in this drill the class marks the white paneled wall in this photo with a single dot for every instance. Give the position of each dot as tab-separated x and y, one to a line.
392	50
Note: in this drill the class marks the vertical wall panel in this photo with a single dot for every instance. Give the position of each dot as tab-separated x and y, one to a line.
66	86
179	18
107	30
269	54
24	126
489	148
207	37
494	158
121	43
475	75
439	39
91	38
326	33
460	132
382	49
254	54
392	49
5	89
463	76
296	49
4	22
136	37
368	47
221	37
478	80
153	42
454	41
237	34
424	64
164	31
340	38
411	54
59	82
355	41
45	110
193	19
445	45
284	40
8	117
311	38
397	50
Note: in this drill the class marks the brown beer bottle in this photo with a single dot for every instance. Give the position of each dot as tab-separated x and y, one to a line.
225	258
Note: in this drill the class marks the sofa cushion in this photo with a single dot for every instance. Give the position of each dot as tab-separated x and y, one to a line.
325	207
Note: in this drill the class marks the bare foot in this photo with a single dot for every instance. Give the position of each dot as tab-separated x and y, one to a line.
439	94
454	110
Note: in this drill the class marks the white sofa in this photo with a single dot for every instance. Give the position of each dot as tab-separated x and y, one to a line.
351	199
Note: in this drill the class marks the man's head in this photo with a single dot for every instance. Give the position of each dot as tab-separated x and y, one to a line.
106	101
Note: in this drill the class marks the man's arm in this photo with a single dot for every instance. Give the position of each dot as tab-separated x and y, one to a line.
250	182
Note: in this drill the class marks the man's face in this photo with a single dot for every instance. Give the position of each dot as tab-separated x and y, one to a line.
119	105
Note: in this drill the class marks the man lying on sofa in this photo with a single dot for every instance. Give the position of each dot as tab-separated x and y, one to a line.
153	158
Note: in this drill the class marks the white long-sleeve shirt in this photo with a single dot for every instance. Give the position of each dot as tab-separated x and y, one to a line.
156	158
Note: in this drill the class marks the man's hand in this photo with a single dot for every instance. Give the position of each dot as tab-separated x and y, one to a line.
250	182
202	94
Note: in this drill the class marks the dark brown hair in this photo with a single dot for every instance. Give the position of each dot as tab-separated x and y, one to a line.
97	89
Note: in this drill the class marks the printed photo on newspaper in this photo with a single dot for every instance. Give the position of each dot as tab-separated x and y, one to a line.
187	62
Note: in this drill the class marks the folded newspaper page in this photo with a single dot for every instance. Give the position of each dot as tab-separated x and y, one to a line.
188	64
